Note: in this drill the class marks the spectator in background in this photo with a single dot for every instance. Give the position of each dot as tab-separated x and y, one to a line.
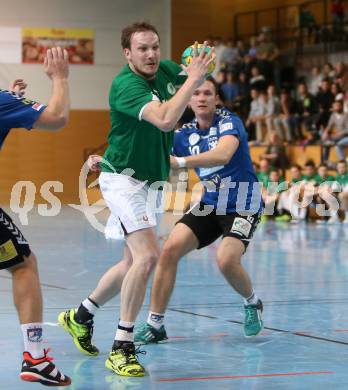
230	57
247	64
342	179
286	120
230	89
272	111
267	53
256	116
341	75
306	110
328	71
325	183
314	80
335	90
337	13
308	25
338	122
290	201
263	172
257	80
271	193
253	48
244	94
275	152
241	48
219	49
324	99
310	173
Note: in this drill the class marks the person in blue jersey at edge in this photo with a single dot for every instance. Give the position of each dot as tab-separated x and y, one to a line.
15	254
215	144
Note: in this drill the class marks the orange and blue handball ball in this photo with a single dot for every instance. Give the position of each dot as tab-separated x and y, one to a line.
188	53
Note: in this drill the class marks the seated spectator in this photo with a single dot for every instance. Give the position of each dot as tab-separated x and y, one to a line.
291	201
324	99
310	175
314	80
253	47
336	90
257	80
336	132
244	95
256	116
286	121
271	193
272	112
342	179
263	172
230	89
241	48
230	57
275	152
328	71
325	184
341	75
306	110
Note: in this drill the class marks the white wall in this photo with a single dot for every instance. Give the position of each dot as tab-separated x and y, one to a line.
89	83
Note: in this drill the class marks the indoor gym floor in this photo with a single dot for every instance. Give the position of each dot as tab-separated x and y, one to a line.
299	271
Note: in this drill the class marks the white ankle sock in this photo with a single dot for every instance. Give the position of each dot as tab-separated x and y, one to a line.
252	300
90	306
155	319
124	331
32	337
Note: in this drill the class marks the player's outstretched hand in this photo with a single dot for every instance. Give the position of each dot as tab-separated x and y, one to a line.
18	87
93	162
56	63
198	67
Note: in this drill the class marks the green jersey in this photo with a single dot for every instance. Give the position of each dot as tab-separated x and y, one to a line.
295	181
321	180
262	177
133	142
342	179
311	179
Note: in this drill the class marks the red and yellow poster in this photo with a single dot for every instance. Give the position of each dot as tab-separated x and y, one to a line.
78	42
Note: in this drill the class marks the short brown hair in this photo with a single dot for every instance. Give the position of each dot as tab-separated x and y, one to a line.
128	31
213	81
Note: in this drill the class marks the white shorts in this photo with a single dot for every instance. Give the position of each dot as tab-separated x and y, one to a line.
132	203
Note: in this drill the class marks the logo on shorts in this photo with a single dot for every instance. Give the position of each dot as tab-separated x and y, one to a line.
34	335
8	251
171	89
241	226
145	218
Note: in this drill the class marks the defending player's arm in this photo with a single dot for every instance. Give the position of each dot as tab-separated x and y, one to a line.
165	115
220	155
56	114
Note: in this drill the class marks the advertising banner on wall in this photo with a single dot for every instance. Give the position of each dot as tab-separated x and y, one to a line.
78	42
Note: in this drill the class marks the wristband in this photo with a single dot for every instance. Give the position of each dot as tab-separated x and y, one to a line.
181	162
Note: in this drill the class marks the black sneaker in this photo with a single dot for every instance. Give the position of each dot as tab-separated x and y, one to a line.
42	370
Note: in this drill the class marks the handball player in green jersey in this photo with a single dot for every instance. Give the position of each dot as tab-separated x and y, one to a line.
144	109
